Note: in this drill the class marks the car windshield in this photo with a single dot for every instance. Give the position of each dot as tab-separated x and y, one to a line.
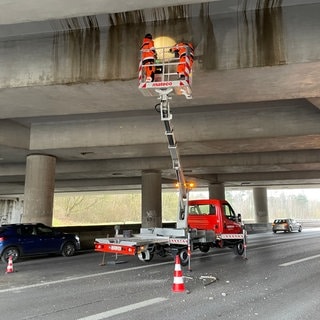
280	221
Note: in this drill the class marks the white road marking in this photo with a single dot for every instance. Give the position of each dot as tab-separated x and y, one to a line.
48	283
130	307
298	261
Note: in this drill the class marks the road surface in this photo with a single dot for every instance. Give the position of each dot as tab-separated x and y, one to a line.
280	279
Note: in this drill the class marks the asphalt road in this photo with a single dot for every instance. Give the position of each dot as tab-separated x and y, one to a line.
280	279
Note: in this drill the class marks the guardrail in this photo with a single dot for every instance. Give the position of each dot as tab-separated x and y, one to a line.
88	234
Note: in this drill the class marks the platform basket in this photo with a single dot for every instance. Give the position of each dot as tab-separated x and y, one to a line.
166	76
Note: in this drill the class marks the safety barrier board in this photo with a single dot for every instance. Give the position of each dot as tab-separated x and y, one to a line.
178	241
180	87
232	236
129	246
115	248
126	246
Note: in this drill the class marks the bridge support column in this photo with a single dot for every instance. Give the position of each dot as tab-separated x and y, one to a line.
216	191
10	210
261	205
151	199
39	189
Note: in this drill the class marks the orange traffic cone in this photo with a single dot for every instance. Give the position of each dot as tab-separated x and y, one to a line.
178	284
10	265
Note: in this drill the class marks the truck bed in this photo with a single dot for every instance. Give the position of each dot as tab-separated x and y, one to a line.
129	245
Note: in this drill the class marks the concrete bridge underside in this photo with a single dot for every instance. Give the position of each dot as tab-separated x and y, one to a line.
68	88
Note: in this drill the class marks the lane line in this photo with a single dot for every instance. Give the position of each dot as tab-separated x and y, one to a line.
298	261
117	311
48	283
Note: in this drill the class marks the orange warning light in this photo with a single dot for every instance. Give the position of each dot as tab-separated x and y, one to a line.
188	185
191	185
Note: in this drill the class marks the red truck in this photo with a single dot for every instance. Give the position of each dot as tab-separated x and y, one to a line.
212	223
201	224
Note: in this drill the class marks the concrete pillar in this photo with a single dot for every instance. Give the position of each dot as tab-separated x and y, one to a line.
39	189
10	210
151	199
261	205
216	191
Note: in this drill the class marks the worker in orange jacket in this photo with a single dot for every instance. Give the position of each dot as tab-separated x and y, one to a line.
148	56
183	50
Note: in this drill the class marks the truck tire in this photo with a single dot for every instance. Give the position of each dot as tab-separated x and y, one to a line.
238	249
145	256
204	248
161	251
184	258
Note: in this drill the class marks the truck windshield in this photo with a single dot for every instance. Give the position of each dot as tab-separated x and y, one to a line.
202	209
228	212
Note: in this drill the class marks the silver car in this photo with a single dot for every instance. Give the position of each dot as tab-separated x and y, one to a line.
286	225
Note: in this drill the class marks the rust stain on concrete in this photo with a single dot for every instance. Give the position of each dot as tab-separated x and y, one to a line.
86	51
76	52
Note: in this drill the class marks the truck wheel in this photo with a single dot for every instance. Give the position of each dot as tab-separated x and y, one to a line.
184	258
238	249
161	252
145	256
204	248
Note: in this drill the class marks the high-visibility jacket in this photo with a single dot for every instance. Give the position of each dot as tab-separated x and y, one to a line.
184	49
148	50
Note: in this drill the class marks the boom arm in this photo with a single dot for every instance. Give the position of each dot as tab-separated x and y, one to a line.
165	82
166	117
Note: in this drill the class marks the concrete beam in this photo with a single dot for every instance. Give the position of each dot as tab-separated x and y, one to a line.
210	124
264	178
14	12
315	102
220	163
223	163
14	135
211	88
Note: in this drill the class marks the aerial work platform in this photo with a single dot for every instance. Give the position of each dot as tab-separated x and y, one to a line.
166	75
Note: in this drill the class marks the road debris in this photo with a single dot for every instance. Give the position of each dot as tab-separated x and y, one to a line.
208	279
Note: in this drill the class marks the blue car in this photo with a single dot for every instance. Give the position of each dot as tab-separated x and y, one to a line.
19	240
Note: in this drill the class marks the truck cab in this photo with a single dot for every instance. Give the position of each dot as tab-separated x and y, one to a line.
213	223
213	214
